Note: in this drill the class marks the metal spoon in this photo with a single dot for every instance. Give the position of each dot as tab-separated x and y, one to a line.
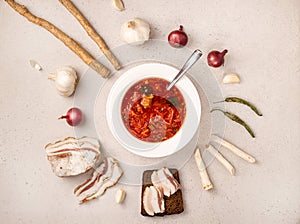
188	64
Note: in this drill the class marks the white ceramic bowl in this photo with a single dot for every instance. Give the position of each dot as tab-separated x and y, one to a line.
150	149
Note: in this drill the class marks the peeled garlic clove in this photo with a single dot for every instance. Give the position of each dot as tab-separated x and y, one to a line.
135	31
231	78
120	196
118	5
35	65
65	80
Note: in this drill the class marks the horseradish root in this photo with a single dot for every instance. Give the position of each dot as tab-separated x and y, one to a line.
221	159
233	149
206	183
67	40
91	32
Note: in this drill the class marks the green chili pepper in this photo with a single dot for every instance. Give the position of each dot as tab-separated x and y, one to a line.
242	101
236	119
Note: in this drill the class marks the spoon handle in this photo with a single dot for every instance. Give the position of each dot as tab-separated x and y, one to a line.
188	64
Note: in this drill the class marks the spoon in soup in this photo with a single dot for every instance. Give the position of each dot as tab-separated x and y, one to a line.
187	65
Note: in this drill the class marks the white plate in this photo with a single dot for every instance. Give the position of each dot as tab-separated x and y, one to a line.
148	149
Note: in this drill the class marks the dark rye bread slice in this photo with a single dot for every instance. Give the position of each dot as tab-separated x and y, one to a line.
173	204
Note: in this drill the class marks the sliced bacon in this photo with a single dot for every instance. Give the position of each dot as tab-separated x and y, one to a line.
153	201
160	198
79	186
72	156
163	178
105	176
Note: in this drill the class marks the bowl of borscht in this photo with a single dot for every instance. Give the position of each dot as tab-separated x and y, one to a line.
145	117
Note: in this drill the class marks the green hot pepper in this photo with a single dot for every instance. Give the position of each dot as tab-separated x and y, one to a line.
242	101
236	119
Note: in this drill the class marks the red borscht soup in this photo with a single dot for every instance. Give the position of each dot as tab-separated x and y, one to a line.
150	112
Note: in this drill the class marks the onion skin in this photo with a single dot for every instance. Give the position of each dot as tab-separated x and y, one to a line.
215	58
178	38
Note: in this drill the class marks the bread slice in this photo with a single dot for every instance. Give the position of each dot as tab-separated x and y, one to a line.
173	204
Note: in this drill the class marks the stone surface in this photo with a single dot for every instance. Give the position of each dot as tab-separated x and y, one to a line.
263	39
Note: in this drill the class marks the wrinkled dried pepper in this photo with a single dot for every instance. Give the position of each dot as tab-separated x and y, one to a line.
242	101
236	119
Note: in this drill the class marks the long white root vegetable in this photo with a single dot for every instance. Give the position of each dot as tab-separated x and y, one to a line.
233	149
221	159
206	183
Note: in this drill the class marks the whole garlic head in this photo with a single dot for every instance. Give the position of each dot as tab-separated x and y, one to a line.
65	80
135	31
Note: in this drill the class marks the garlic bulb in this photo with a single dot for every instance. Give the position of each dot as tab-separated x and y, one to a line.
65	80
135	31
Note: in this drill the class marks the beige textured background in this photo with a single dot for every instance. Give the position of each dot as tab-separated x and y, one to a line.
263	40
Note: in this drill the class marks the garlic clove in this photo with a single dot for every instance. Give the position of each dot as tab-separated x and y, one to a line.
35	65
135	31
120	196
231	78
118	5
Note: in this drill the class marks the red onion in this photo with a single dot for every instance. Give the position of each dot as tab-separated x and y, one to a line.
73	116
178	38
215	58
